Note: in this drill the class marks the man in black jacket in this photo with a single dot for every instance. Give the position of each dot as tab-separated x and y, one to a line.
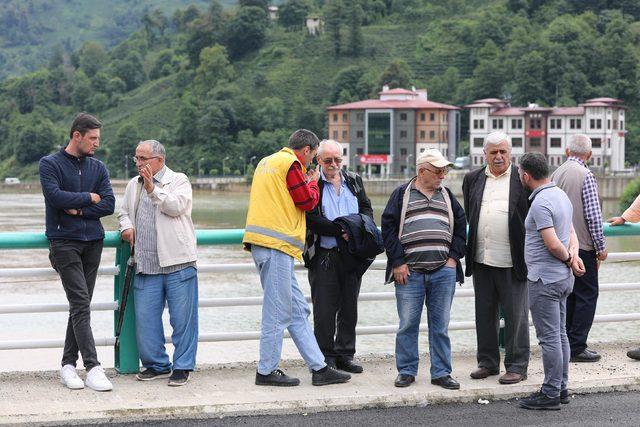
77	193
496	205
334	286
424	232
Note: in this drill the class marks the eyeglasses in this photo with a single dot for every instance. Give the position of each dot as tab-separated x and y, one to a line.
141	159
329	160
438	172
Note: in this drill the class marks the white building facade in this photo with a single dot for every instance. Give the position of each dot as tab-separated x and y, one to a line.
547	129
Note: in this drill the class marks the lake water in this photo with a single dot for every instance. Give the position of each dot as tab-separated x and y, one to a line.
25	212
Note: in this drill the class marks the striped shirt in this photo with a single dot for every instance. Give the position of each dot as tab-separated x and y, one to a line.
426	236
147	239
591	208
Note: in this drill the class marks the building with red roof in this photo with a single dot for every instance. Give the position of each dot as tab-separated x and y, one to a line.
548	129
384	135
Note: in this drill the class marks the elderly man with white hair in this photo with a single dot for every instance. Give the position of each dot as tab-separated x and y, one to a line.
496	206
335	285
575	178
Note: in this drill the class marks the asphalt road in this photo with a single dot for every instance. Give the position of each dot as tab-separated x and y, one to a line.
619	409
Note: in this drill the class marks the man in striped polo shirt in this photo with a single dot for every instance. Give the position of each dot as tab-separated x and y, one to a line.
424	232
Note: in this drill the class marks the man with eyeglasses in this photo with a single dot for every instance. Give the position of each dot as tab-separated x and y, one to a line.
424	231
334	285
496	206
155	218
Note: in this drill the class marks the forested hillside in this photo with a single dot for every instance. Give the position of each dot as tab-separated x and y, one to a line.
216	83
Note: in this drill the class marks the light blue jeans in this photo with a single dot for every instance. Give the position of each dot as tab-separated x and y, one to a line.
283	307
435	290
180	291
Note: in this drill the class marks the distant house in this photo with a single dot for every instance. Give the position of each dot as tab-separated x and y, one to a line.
314	25
547	129
385	135
273	12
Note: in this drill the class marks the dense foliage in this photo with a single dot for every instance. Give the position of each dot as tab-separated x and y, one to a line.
231	84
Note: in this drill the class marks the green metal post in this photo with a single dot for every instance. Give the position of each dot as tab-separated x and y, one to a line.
126	357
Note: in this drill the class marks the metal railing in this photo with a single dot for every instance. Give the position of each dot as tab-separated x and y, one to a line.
126	359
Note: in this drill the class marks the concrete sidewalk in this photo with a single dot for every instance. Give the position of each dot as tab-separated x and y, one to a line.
228	390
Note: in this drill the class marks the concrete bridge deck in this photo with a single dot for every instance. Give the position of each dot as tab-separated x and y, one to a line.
228	390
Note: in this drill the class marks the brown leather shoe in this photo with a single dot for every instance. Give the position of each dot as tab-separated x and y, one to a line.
482	373
512	378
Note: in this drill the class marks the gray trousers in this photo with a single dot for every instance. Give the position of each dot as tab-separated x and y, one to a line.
495	288
548	304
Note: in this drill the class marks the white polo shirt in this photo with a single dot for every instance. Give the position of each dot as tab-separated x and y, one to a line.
492	237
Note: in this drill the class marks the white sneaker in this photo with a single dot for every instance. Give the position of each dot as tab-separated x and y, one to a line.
70	378
97	380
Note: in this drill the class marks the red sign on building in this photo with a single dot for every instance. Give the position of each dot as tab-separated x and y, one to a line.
374	159
535	133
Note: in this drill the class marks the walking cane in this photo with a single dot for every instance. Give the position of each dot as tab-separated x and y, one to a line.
128	276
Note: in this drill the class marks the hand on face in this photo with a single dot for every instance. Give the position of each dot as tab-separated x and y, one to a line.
147	175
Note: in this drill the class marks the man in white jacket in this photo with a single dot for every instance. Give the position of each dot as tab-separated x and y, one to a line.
156	217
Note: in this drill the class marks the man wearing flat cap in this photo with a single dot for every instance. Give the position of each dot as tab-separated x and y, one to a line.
424	232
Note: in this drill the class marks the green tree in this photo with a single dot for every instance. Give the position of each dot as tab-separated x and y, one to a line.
122	149
92	58
333	22
292	13
355	41
346	80
214	67
35	136
247	31
397	74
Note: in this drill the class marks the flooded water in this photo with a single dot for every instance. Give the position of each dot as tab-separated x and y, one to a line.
25	212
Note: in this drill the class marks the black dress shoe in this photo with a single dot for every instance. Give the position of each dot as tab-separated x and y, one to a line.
539	400
446	382
564	397
349	366
634	354
404	380
586	357
276	378
329	375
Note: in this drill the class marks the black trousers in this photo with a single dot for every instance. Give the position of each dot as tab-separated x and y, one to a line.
495	288
334	293
77	264
581	304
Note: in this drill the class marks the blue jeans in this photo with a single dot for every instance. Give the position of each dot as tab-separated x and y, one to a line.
180	291
283	307
435	290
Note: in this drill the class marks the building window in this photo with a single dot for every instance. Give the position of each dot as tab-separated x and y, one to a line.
555	124
608	123
423	117
621	124
478	142
422	150
444	117
335	134
344	152
497	123
556	142
335	117
432	134
359	117
359	151
403	151
516	142
403	117
345	117
615	124
478	124
534	142
536	124
596	142
359	134
444	135
516	123
432	116
403	134
422	134
595	123
575	123
344	135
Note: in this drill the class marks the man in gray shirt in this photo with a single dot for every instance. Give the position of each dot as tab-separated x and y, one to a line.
551	253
